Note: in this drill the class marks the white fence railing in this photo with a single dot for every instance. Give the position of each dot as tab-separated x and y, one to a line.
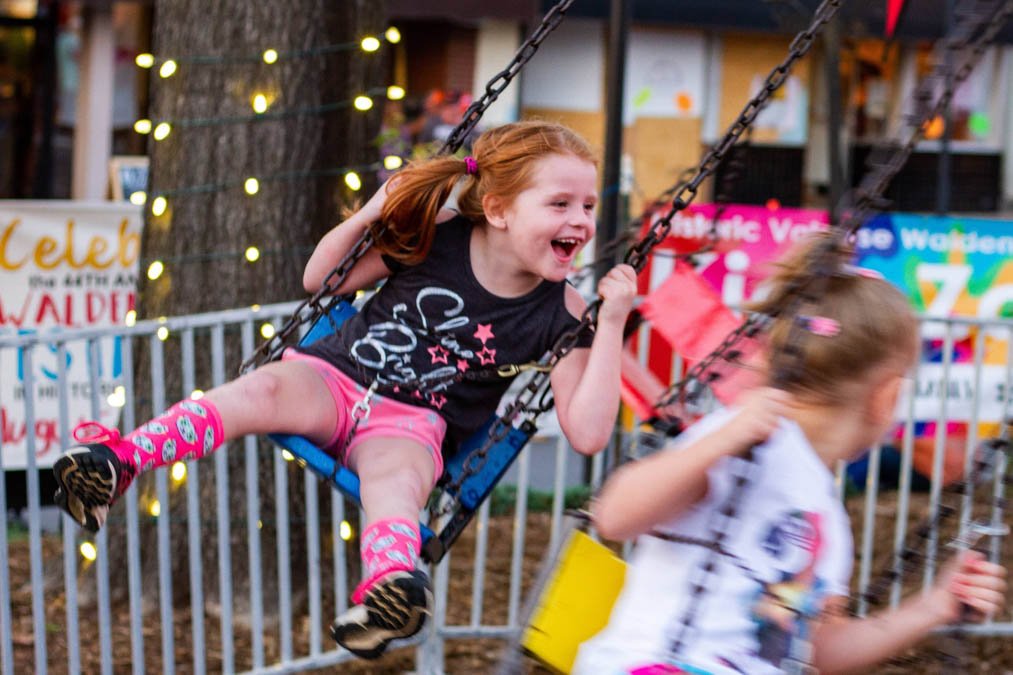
63	607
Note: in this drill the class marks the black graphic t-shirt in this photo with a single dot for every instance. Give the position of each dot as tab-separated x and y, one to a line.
432	320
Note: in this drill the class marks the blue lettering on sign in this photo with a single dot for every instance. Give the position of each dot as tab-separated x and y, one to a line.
878	237
48	365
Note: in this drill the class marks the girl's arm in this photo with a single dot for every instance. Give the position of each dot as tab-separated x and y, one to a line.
643	494
854	645
585	384
335	244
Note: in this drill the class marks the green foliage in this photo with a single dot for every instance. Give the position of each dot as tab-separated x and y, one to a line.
504	498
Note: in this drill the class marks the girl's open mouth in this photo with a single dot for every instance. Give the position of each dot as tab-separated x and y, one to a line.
566	247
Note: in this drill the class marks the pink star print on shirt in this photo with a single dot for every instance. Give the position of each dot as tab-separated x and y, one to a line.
439	354
484	332
462	365
486	356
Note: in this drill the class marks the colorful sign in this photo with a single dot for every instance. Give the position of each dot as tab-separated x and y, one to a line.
62	265
948	267
748	239
951	267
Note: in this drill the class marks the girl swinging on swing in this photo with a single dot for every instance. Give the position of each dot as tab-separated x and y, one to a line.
774	599
465	290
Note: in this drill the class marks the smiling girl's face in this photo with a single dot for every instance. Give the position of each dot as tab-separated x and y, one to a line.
553	218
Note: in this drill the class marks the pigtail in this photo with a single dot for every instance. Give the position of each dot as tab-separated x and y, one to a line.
414	198
796	268
502	165
839	329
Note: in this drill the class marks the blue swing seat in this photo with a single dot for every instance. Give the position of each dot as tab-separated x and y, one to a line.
472	492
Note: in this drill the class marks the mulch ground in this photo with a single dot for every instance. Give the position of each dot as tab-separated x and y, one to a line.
984	655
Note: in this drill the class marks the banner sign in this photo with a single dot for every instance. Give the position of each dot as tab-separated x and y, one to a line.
948	267
63	265
951	266
748	238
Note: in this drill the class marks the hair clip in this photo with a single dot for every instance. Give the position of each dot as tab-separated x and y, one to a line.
470	165
820	325
856	271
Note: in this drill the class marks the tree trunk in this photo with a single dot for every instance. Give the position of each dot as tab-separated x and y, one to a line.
202	236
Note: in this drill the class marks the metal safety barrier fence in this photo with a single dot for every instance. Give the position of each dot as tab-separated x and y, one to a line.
118	605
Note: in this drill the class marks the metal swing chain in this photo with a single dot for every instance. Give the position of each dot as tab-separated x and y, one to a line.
501	80
824	262
637	256
684	195
320	302
868	197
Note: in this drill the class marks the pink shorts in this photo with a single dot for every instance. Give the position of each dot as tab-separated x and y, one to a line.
387	418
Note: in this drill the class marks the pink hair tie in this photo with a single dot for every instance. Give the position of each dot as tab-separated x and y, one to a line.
470	165
821	326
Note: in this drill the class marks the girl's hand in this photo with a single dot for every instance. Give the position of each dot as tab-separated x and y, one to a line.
973	582
617	290
760	414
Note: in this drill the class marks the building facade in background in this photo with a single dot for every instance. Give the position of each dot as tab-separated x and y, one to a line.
689	69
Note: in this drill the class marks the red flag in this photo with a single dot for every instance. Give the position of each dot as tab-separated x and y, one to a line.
687	312
893	9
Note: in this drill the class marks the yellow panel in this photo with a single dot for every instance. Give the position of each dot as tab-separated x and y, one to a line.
576	602
662	148
745	58
590	125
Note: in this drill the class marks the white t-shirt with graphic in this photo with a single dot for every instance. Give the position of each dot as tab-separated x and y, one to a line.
792	536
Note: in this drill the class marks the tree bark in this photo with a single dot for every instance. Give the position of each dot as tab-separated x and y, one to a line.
202	237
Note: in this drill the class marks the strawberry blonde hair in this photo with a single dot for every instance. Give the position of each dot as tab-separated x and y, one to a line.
877	328
505	156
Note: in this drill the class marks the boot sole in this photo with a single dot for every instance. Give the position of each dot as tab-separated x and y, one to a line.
84	484
370	641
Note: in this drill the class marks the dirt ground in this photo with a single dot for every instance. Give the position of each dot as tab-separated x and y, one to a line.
985	655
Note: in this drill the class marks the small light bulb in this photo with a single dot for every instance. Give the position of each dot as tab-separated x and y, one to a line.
345	530
178	472
252	186
162	333
287	456
142	126
259	103
155	270
88	551
131	317
138	198
395	93
270	56
267	331
391	162
162	131
353	181
252	254
393	35
154	508
118	398
145	60
362	102
369	44
255	308
159	205
197	394
168	69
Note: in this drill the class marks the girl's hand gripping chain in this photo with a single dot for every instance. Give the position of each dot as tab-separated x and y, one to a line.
969	581
617	289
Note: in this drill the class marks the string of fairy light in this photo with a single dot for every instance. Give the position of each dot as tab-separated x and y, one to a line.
261	104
